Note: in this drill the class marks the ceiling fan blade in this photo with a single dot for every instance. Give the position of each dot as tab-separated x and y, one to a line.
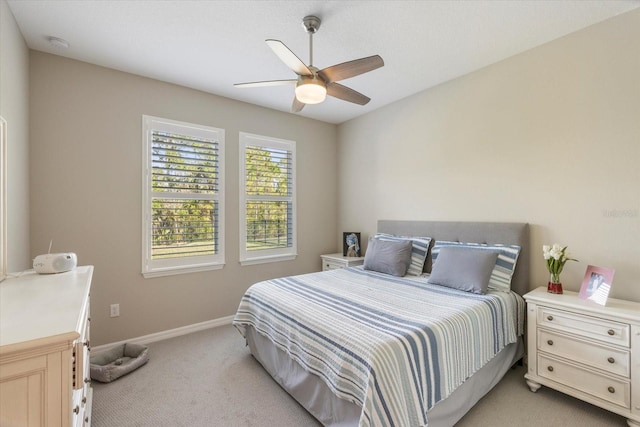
349	69
347	94
267	83
288	57
297	106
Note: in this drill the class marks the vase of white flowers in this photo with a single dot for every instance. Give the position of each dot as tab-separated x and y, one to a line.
555	256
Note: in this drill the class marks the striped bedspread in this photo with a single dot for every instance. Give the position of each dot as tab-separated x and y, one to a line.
395	346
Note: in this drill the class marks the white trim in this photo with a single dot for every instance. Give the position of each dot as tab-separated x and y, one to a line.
182	270
263	256
171	333
166	267
267	259
3	199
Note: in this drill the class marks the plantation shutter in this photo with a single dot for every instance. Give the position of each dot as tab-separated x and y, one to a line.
184	189
269	206
267	198
185	176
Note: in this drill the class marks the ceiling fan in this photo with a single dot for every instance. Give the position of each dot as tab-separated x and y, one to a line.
312	84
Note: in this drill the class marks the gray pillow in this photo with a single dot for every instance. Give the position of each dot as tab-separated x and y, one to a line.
465	269
389	257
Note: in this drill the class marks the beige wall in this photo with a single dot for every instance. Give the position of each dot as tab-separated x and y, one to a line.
14	108
550	137
86	191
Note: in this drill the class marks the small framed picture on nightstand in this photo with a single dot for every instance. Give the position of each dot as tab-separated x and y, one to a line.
597	284
351	244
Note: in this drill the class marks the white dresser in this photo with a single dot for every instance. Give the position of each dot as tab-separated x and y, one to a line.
585	350
333	261
44	349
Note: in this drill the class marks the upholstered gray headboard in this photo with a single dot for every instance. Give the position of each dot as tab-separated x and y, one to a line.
477	232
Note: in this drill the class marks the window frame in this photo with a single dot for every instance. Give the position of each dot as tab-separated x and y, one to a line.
3	199
262	256
166	267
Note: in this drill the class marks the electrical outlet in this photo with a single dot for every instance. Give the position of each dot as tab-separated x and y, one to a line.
115	310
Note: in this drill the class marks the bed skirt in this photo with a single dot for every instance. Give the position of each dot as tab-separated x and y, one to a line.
314	395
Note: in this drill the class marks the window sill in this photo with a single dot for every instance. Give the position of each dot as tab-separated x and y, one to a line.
180	270
268	259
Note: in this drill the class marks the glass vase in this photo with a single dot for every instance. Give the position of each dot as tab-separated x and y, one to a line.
554	286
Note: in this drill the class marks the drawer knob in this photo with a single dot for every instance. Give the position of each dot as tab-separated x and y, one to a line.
550	342
611	360
87	380
611	332
550	368
76	409
549	318
611	389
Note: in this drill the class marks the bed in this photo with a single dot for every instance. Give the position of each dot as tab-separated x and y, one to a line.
351	345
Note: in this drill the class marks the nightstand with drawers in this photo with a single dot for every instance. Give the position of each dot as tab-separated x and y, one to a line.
585	350
334	261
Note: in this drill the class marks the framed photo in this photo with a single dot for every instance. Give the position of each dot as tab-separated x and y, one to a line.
597	284
351	244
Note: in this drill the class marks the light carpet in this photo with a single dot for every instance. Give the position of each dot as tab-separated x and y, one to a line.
209	378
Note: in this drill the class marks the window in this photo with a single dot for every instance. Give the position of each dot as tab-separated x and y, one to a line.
267	199
183	197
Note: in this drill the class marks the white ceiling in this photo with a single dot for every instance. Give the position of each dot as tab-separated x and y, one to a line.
210	45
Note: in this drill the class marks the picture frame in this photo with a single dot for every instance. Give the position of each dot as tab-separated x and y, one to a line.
596	284
351	244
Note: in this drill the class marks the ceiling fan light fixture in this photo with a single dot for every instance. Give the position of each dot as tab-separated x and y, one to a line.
310	90
313	85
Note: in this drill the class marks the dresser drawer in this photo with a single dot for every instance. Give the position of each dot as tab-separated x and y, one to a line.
331	265
601	386
586	326
337	260
607	358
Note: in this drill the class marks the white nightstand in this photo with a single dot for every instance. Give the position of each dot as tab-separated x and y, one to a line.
585	350
333	261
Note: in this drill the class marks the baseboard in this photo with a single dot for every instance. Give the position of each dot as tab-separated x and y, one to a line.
171	333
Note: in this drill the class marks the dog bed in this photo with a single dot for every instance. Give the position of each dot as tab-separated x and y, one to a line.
120	360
